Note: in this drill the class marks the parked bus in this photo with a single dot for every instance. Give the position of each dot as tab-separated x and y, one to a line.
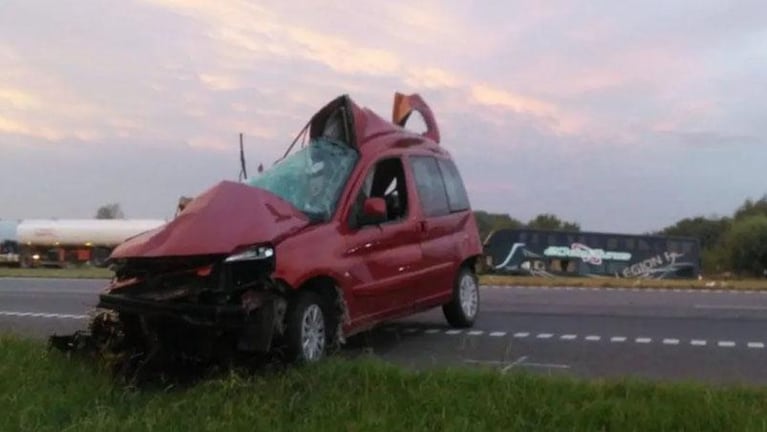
571	253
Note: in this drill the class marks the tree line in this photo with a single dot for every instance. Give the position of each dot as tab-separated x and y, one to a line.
734	244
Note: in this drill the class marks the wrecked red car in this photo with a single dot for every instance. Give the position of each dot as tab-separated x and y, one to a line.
366	221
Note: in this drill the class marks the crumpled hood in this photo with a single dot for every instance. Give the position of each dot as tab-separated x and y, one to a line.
220	220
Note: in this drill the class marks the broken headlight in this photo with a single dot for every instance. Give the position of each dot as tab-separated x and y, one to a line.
252	254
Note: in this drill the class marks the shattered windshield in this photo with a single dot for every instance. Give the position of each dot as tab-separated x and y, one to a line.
312	178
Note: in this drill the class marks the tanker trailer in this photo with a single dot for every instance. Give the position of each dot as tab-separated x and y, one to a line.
68	242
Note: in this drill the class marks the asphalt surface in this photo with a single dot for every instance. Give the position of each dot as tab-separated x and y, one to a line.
716	337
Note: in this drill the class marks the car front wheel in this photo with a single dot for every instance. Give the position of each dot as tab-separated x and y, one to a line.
307	330
463	309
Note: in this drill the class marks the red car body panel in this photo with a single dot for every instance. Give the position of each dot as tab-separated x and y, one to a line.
224	218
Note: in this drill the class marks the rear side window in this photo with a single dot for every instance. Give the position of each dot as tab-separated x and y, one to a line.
458	199
430	185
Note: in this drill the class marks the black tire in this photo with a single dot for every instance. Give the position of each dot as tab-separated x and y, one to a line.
303	304
454	312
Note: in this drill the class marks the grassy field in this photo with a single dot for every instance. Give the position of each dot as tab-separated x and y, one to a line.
44	391
77	273
746	284
735	284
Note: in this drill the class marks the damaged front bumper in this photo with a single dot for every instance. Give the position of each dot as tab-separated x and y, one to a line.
204	315
203	312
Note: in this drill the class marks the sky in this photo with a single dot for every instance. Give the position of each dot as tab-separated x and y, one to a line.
622	116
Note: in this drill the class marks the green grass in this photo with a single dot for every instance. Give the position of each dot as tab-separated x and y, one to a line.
487	279
44	391
733	284
76	273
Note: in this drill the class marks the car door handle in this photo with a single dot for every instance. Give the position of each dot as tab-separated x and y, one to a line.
423	226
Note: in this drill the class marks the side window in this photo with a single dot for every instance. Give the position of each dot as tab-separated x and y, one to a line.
385	180
458	199
430	185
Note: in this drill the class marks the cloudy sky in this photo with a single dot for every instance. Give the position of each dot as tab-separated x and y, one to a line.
621	116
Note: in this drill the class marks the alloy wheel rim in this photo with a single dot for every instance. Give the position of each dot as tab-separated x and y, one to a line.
469	296
312	333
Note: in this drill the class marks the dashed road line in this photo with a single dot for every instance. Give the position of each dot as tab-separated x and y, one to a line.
498	334
42	315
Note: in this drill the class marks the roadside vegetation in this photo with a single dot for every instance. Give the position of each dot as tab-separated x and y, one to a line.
46	391
748	284
485	279
75	273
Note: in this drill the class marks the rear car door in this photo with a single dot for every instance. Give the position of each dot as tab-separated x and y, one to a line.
383	256
443	218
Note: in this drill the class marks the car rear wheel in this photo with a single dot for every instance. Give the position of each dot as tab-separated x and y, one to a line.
463	309
307	332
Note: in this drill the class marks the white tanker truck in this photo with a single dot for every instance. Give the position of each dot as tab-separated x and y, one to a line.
67	242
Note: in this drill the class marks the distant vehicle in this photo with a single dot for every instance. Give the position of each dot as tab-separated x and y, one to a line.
365	223
68	242
595	254
9	253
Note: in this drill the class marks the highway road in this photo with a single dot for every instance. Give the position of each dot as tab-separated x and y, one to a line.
717	337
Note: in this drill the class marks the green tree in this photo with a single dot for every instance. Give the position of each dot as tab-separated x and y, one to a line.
110	211
549	221
751	208
489	222
708	231
746	245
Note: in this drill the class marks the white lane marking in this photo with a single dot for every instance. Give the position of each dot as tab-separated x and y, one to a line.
512	364
545	365
730	307
496	334
42	315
